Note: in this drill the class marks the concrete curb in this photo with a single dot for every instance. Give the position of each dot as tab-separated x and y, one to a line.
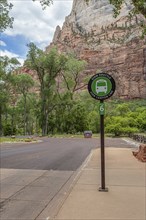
58	201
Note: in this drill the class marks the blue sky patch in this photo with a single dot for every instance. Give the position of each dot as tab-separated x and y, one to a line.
15	44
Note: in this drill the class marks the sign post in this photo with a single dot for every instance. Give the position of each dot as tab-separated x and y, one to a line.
102	188
101	86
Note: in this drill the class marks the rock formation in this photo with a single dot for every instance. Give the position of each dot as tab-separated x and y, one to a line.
108	44
141	154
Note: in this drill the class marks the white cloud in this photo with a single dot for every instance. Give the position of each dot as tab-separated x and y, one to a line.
35	24
2	43
11	55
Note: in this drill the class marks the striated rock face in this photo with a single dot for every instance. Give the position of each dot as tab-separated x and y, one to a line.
141	154
108	44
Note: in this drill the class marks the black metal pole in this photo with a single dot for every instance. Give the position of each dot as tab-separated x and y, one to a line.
102	188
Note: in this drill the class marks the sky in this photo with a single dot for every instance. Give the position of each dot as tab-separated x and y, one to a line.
32	24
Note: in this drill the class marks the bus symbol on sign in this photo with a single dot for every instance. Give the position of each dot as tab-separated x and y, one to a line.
101	86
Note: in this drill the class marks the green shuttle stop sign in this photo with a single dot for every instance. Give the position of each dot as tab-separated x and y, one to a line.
101	86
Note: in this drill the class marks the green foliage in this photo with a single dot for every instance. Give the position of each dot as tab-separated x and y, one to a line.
23	83
128	118
114	128
121	125
60	104
5	7
122	109
8	130
5	20
45	3
117	6
7	66
47	66
72	75
140	7
75	120
53	93
141	118
93	121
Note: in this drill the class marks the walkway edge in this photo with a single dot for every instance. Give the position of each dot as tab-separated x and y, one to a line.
53	208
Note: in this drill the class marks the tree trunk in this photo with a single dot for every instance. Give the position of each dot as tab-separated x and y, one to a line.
0	120
25	116
46	123
12	122
43	119
43	112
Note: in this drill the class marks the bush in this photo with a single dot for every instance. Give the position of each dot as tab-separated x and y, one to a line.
118	125
115	129
28	140
129	131
7	130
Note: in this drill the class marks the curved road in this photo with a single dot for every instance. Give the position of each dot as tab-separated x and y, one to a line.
51	154
36	177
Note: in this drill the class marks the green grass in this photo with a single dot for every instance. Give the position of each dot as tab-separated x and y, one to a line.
15	140
71	135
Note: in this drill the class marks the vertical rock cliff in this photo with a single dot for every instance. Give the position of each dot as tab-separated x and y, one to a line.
108	44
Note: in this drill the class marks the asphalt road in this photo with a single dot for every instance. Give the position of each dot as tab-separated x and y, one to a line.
51	154
37	177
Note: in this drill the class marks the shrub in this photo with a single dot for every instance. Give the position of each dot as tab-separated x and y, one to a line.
115	129
7	130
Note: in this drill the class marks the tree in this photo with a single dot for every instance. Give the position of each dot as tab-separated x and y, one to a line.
47	67
5	7
5	20
75	120
23	84
72	75
32	114
7	66
140	6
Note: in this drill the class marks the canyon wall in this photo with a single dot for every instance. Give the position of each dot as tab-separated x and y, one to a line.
108	44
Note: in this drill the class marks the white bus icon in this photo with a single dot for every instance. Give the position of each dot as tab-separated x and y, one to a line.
101	86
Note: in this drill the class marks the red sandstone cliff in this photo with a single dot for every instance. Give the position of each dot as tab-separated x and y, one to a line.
108	44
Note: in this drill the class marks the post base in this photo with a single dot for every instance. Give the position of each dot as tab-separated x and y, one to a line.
103	190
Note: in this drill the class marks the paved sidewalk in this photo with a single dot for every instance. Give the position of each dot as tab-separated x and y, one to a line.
25	194
126	181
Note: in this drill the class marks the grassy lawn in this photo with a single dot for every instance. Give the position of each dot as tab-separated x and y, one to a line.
16	140
19	140
71	135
